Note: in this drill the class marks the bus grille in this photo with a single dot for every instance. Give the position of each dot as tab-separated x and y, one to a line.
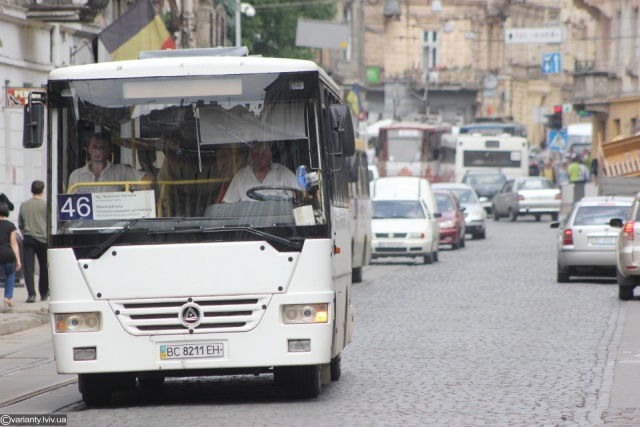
217	314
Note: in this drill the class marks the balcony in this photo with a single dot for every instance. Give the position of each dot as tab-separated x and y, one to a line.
594	86
64	10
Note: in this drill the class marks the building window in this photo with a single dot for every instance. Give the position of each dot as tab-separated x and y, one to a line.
430	51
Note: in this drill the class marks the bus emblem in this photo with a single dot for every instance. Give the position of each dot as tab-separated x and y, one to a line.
190	315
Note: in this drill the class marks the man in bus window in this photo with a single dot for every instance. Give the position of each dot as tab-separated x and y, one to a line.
261	171
100	169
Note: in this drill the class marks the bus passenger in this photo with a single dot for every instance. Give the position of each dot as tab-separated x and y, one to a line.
100	169
260	172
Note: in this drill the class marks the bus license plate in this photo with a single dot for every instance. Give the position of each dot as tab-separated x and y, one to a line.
191	351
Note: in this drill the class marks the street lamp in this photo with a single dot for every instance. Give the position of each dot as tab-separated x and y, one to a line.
249	11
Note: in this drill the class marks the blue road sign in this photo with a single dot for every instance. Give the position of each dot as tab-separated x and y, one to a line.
557	140
551	63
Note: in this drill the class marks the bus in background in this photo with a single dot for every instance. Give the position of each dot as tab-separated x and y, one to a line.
359	211
508	154
412	149
494	127
152	277
579	137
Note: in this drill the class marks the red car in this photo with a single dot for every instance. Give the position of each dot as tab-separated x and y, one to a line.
452	226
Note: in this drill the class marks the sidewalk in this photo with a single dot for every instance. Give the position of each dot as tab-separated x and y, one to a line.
23	316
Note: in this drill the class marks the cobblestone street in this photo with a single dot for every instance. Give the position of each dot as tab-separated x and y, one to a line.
485	337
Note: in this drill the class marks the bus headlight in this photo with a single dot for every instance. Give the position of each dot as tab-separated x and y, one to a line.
77	322
305	313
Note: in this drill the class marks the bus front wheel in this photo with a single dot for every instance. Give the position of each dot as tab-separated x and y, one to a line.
305	381
95	389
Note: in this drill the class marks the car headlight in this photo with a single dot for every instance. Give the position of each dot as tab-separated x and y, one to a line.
415	235
77	322
448	224
305	313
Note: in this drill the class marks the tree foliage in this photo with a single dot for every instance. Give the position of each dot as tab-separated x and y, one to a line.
272	31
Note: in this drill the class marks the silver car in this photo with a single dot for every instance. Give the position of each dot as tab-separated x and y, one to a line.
628	251
587	241
474	214
534	196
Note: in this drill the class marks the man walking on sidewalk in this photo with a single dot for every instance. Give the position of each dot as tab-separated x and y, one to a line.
33	225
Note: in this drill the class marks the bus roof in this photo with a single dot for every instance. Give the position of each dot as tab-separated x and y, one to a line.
188	66
585	128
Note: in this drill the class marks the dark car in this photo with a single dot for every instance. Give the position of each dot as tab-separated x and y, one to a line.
452	224
486	183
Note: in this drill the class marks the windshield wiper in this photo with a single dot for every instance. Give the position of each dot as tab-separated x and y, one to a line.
102	247
266	236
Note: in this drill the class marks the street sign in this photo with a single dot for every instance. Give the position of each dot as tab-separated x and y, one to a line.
551	63
557	140
532	35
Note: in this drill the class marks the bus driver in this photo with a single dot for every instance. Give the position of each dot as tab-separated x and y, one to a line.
100	169
260	172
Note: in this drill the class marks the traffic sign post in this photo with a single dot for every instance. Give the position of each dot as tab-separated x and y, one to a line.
558	140
551	63
533	35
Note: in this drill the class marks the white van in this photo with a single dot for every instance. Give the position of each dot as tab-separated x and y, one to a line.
405	219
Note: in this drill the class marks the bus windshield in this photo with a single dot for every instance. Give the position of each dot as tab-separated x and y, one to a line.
404	145
165	155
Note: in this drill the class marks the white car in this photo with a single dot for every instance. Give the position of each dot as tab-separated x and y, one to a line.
474	214
401	228
405	219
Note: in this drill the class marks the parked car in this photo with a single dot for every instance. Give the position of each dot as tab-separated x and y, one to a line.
405	219
486	184
535	196
627	250
587	241
452	225
474	214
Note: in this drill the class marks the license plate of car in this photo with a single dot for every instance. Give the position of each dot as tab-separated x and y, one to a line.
191	351
611	240
389	245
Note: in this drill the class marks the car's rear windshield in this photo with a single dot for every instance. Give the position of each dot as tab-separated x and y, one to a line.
397	209
599	215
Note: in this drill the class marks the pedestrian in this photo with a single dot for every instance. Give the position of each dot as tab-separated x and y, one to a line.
563	175
32	221
549	171
9	254
575	171
5	199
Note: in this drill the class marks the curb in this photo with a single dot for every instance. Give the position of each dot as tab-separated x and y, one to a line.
19	322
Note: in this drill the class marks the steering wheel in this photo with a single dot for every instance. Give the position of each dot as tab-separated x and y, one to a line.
254	193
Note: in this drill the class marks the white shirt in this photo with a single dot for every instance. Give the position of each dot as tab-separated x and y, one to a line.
110	173
245	179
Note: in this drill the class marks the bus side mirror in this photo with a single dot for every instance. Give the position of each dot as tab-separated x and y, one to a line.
342	133
33	125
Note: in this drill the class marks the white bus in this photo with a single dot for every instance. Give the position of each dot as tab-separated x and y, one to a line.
360	211
166	282
579	137
506	153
